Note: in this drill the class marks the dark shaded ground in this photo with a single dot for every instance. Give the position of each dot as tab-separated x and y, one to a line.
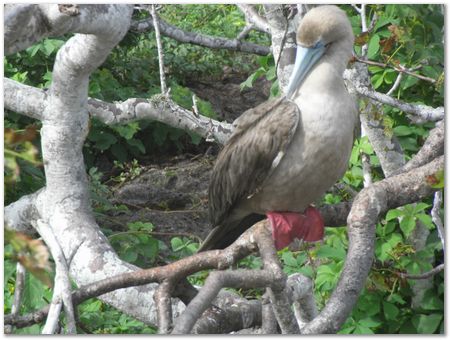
171	196
226	97
172	191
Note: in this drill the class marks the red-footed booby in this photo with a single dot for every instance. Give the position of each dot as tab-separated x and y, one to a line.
285	153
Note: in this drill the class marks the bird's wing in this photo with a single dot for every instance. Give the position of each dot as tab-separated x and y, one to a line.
255	149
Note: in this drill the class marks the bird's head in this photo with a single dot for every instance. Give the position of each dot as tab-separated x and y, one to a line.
323	29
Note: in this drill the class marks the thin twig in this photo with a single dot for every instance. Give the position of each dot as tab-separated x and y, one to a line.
397	82
162	75
245	31
362	14
397	68
423	276
194	105
436	218
357	8
18	290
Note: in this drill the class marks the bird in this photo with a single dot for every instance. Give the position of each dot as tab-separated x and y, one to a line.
285	153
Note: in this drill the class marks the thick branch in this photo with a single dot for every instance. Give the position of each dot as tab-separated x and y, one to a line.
200	39
27	100
432	148
158	108
25	25
370	203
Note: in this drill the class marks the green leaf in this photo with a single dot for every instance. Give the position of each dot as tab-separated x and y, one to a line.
393	213
407	225
177	244
362	330
369	323
431	301
8	270
103	140
271	73
137	143
151	248
403	130
420	206
33	292
127	131
426	219
409	82
288	259
118	150
426	324
374	46
377	80
327	252
390	310
130	255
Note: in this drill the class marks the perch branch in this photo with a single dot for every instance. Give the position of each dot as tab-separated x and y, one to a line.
370	203
389	193
305	307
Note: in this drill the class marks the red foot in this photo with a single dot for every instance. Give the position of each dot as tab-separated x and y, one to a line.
286	226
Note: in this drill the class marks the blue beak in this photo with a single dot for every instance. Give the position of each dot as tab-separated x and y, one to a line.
304	60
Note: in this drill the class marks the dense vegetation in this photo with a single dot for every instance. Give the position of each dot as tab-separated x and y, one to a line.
408	35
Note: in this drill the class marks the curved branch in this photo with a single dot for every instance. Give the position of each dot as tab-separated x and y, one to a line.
27	24
370	203
209	41
252	17
158	108
432	148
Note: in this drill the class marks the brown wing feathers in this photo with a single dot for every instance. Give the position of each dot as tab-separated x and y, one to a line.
246	160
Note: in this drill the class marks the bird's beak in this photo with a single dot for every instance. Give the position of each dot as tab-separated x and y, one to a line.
304	60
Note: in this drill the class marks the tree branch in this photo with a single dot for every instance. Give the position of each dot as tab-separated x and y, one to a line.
158	108
252	17
160	49
399	69
370	203
432	148
199	39
423	276
435	216
62	288
420	113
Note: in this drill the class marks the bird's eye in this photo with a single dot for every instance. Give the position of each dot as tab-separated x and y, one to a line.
327	45
318	44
